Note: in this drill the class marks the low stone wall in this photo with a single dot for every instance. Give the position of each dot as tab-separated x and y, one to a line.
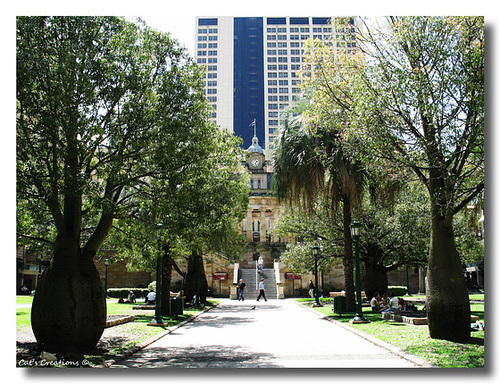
416	318
113	320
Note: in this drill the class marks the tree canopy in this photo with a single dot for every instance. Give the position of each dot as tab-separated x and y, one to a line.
112	121
413	96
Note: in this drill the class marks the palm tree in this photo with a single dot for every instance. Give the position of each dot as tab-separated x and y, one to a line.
308	162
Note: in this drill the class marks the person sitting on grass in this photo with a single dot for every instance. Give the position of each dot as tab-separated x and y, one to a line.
392	304
131	297
375	303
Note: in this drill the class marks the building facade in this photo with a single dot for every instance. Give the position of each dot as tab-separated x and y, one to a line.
252	74
253	63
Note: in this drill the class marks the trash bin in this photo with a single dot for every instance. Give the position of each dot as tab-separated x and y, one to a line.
339	304
176	307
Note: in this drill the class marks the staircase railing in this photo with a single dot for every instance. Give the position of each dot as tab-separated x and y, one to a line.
256	276
236	273
277	272
233	290
279	288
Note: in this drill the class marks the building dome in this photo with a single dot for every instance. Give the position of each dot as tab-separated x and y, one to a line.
255	147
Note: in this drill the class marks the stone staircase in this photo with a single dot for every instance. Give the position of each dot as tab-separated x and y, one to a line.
248	276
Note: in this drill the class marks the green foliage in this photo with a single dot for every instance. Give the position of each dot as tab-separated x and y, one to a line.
399	233
310	228
123	292
398	290
412	100
112	125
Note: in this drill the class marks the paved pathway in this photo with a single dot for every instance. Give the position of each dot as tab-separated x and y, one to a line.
276	334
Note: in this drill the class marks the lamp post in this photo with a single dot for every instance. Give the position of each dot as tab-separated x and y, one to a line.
356	234
106	265
315	252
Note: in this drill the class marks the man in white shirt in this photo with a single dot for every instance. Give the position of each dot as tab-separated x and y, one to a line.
151	297
261	290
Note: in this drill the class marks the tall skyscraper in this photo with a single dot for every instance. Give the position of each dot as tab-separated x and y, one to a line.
253	65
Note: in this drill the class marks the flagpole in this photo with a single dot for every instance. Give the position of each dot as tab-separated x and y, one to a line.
254	128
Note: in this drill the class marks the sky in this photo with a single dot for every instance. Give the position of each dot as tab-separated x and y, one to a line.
178	16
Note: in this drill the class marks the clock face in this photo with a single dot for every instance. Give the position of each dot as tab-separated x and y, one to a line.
255	163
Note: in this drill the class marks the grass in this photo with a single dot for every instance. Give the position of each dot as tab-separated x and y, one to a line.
24	299
416	340
124	337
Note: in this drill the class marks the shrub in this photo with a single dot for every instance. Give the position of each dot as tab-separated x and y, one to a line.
123	292
397	290
152	286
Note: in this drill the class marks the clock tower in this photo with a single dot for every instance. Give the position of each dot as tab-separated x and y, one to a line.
257	158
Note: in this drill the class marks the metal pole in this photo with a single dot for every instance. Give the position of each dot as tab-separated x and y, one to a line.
359	310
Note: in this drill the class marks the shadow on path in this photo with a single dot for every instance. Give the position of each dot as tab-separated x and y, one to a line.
211	356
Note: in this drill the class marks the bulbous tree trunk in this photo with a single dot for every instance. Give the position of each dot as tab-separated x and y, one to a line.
69	307
448	308
195	278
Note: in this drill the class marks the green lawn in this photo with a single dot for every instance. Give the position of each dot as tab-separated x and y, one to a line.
21	299
416	340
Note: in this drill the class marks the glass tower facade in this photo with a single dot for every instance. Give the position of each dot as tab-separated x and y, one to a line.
253	66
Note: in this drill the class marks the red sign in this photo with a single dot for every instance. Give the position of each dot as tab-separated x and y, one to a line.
219	276
292	276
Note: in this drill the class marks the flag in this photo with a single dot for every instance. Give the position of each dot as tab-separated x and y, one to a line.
252	124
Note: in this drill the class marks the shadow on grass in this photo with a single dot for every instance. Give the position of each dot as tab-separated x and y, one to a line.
473	341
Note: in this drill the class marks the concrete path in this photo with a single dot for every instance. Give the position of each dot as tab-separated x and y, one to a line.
276	334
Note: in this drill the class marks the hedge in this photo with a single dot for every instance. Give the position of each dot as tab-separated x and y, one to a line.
123	292
398	290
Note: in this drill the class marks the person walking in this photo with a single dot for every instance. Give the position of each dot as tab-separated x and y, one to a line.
242	287
260	264
262	290
311	289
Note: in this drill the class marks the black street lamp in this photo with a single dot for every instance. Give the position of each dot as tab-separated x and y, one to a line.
315	252
106	265
356	234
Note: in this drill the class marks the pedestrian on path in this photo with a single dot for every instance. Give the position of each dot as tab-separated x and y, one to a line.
260	264
262	290
242	287
311	289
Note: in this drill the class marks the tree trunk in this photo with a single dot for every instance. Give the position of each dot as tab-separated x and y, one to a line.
195	278
69	307
375	279
448	307
166	280
348	258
